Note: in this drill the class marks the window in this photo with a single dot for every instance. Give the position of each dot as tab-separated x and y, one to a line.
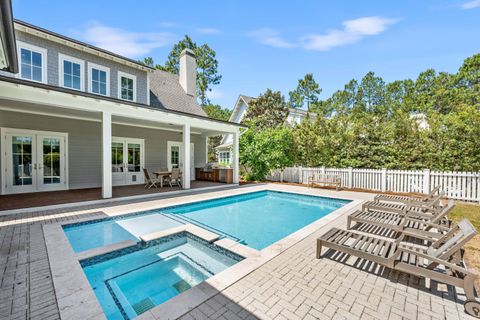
127	86
224	157
33	65
71	72
99	79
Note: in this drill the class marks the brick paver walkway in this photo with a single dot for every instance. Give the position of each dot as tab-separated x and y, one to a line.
294	285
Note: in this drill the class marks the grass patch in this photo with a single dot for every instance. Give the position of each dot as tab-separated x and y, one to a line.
472	249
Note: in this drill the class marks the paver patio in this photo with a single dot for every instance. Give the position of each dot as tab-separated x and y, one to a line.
293	285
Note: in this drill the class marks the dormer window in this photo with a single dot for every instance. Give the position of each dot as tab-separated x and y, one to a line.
99	79
127	86
71	72
33	62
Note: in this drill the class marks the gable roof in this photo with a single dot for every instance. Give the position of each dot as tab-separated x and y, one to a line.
167	93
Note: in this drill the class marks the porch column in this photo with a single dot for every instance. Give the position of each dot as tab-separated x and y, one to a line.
186	157
235	160
106	155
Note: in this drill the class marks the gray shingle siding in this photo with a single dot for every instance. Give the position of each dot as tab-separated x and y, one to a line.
52	65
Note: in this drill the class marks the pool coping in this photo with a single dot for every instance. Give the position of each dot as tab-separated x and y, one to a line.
76	299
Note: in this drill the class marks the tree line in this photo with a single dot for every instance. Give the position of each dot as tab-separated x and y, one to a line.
430	122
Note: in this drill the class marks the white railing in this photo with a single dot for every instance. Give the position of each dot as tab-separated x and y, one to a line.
457	185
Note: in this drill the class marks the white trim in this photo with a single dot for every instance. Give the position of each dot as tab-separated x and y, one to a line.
3	145
63	57
90	66
106	154
119	85
31	47
148	88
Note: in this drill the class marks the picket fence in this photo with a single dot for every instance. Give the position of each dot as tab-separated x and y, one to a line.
457	185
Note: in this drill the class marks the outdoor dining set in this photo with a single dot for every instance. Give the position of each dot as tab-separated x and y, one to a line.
171	178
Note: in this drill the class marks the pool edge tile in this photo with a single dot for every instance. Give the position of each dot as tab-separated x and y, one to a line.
87	254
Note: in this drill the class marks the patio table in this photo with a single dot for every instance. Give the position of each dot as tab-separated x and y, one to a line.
162	174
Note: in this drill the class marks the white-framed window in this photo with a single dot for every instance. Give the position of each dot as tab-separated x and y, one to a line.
71	72
98	79
127	86
224	157
32	61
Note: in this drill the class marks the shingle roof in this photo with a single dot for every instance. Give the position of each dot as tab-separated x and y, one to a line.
167	93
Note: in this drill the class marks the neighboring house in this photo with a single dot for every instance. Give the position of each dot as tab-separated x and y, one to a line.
224	150
77	116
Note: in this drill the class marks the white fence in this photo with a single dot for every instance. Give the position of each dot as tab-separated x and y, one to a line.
457	185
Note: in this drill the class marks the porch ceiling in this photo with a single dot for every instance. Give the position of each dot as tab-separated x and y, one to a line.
23	96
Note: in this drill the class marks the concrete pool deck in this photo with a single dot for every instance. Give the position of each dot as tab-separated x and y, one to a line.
285	282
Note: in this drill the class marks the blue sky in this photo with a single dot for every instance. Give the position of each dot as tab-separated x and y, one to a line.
271	44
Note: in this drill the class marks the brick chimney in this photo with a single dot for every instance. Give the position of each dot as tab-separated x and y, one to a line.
188	72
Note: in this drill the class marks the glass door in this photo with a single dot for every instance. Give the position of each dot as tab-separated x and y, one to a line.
20	163
134	163
50	163
118	166
175	156
127	161
34	161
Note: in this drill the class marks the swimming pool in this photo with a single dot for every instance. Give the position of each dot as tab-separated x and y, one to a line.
130	281
256	219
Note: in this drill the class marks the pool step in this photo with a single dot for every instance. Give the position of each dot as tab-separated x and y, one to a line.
142	306
190	228
105	249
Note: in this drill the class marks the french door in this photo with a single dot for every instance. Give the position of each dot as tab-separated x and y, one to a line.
34	161
175	156
127	161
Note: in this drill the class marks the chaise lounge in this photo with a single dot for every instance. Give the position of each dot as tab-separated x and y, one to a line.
437	262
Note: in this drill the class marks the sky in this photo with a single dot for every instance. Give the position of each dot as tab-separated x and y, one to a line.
272	44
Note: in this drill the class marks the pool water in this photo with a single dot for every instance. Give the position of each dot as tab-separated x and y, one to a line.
132	283
256	219
98	234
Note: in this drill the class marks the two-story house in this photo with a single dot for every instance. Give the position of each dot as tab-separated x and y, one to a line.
77	116
225	149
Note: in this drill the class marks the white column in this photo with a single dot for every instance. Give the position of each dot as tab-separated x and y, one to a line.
186	157
236	172
206	149
106	155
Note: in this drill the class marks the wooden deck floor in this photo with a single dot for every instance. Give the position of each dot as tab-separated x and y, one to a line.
37	199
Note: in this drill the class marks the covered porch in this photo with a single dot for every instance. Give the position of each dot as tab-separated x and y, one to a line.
53	198
76	146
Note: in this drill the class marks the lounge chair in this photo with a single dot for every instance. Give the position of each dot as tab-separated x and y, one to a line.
149	181
414	223
405	199
413	260
412	205
175	178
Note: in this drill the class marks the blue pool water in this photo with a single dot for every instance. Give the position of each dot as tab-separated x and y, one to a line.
256	219
144	277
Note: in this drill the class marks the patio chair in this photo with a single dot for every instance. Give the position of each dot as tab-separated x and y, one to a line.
411	205
175	178
414	224
416	261
149	181
405	199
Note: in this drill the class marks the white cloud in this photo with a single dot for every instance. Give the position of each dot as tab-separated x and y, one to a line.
353	31
271	37
208	31
471	4
215	94
123	42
